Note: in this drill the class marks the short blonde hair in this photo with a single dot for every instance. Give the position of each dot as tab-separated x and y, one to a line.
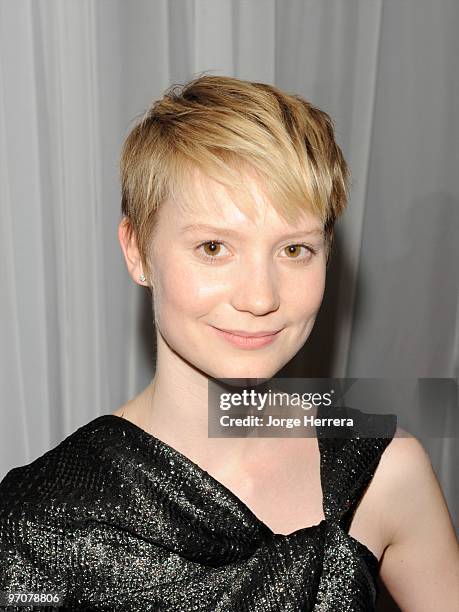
219	124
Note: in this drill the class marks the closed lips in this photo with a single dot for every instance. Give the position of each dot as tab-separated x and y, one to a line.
238	332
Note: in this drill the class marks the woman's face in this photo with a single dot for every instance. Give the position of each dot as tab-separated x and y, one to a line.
240	276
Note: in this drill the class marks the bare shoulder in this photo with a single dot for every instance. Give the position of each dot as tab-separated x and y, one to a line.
132	409
403	460
421	558
408	481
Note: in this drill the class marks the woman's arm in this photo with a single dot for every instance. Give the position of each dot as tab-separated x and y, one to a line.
420	565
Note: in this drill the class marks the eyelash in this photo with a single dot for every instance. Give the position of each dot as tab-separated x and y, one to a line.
294	260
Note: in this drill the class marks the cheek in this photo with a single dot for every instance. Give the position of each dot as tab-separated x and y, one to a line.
306	296
186	289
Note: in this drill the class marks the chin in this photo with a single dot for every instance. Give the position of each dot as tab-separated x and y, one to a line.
263	373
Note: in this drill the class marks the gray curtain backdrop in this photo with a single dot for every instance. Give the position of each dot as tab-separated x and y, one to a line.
76	339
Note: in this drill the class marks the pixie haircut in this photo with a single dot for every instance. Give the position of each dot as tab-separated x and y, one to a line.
222	125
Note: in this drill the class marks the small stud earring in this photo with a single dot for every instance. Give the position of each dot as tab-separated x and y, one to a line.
142	278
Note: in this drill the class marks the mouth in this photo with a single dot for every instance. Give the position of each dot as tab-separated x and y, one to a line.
245	341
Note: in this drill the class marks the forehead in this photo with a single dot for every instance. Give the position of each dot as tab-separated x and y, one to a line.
204	201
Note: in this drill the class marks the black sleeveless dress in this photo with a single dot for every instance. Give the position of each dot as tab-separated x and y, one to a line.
115	519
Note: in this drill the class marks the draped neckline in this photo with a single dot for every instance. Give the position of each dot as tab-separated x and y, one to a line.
262	527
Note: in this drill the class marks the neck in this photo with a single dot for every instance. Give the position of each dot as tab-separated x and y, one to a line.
174	408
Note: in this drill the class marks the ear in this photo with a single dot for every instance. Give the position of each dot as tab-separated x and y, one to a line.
130	250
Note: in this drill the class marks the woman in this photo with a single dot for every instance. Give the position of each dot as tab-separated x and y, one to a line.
230	194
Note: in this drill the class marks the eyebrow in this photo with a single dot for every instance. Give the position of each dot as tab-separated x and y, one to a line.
229	232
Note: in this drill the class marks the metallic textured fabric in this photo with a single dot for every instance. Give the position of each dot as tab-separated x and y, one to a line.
115	519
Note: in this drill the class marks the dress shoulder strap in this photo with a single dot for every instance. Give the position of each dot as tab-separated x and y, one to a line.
349	456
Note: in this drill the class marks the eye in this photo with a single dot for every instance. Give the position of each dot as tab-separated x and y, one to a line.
293	251
211	249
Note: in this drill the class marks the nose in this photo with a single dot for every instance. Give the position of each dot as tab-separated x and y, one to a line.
256	288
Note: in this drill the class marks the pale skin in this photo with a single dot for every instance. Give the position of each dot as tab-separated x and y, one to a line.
252	284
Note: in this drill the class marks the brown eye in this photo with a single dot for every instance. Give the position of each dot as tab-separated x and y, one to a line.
293	250
212	248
